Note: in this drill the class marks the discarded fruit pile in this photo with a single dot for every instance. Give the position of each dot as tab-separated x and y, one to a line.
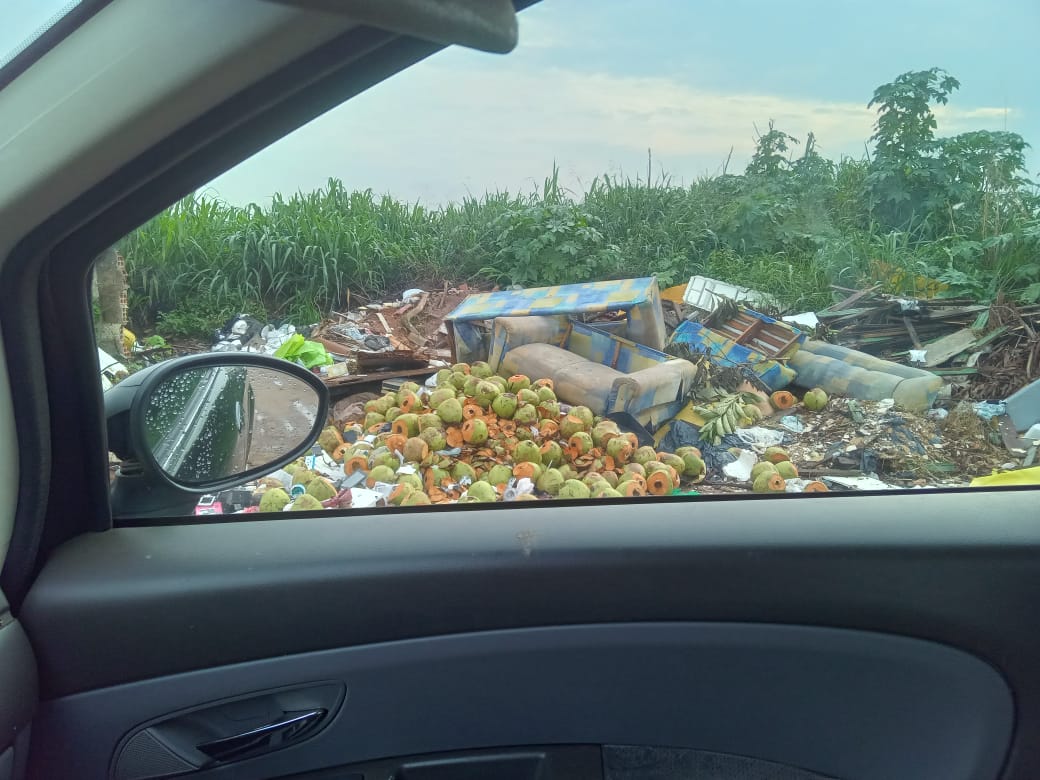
478	437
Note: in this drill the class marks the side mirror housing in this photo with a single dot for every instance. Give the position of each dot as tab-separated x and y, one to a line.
204	423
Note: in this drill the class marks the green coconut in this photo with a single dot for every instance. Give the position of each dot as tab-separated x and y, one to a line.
462	470
481	369
552	453
584	414
443	378
582	440
604	431
620	449
518	382
769	482
786	469
695	466
306	503
416	498
274	500
434	438
526	415
505	405
527	452
381	473
546	394
673	460
483	492
407	397
644	455
815	400
439	396
450	411
373	419
570	425
412	480
499	474
487	392
574	489
415	449
550	481
303	477
550	410
321	489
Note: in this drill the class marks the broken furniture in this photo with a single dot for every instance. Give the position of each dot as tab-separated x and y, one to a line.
469	327
593	367
761	343
842	371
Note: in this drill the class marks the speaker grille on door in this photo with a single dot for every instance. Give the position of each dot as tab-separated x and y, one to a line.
146	757
651	763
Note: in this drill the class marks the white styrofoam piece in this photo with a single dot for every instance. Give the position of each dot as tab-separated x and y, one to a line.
805	320
704	293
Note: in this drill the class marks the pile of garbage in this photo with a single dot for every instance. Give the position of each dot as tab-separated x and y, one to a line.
470	436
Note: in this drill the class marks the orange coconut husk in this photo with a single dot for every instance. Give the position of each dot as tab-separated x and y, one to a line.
815	487
609	464
397	492
454	437
633	440
659	483
632	489
355	464
506	427
468	430
776	483
395	442
525	469
437	496
781	400
340	453
399	427
549	429
584	461
375	429
471	411
409	404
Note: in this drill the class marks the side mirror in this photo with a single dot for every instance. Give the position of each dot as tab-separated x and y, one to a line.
205	423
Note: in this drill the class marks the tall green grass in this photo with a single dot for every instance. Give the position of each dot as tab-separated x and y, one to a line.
202	260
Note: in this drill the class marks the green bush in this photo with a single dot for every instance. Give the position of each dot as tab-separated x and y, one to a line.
960	210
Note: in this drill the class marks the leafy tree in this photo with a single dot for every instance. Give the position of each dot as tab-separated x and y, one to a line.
907	181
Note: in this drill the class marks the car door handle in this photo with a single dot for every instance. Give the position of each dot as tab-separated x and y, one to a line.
287	729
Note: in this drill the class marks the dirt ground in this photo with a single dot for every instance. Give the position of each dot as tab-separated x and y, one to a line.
284	414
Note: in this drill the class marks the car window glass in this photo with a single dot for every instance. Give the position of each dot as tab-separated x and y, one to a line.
684	252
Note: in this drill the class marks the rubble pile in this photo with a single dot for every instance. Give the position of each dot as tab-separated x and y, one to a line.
908	393
984	351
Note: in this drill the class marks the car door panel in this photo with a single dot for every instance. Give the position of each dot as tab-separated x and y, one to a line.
842	703
141	622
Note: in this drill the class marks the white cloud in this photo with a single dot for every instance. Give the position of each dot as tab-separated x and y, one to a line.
444	129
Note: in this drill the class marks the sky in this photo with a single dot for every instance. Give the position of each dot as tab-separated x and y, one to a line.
594	84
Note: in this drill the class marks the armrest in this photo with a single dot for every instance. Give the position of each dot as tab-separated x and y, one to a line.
511	332
661	384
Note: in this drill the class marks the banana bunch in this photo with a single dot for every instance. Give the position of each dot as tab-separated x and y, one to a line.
724	416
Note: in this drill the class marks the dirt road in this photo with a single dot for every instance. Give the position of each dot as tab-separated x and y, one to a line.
285	409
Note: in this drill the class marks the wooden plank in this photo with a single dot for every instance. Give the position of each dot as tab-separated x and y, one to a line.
938	352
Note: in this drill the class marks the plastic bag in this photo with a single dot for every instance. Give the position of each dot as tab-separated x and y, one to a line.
309	354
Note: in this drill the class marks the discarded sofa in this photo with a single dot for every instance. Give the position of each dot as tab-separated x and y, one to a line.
843	371
639	300
593	367
749	338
